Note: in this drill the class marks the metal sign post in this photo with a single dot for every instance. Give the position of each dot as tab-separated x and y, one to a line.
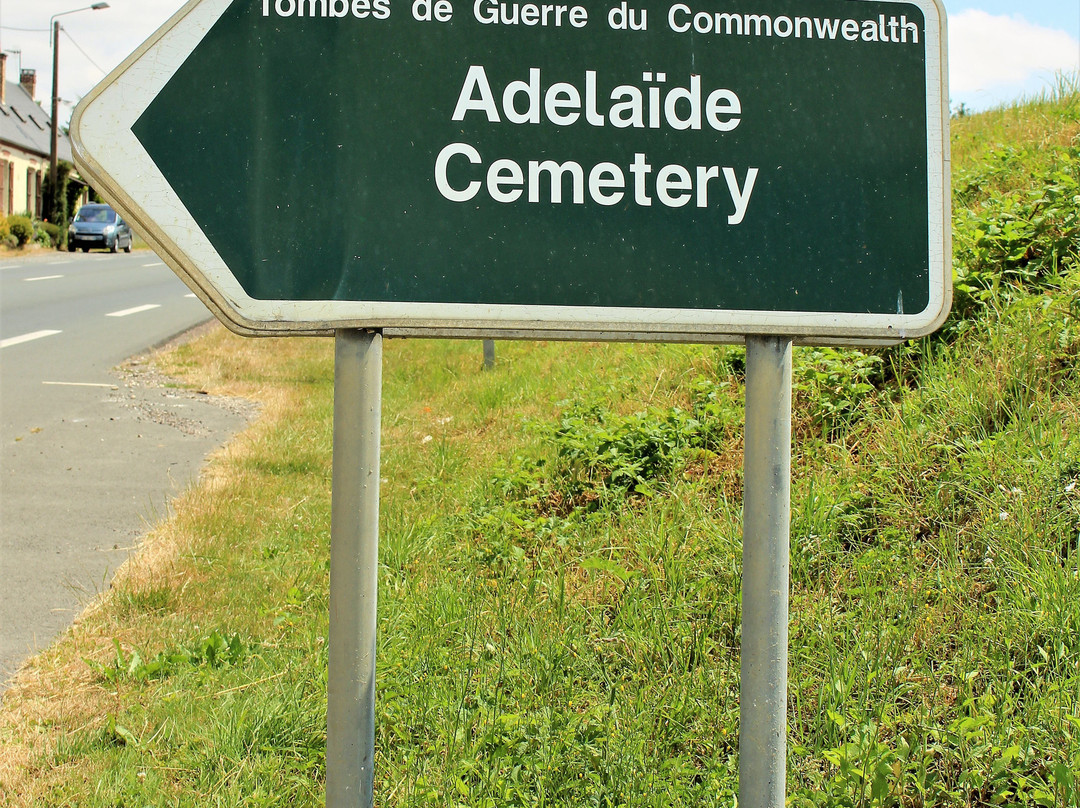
766	528
354	568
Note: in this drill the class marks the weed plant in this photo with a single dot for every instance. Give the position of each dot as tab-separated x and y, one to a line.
560	563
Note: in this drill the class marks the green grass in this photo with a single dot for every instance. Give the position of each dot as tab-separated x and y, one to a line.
560	562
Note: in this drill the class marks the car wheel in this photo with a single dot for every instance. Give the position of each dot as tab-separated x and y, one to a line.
86	249
71	248
127	247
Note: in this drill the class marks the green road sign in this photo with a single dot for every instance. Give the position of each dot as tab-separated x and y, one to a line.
655	169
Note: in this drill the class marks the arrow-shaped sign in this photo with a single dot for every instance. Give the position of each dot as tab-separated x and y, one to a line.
655	169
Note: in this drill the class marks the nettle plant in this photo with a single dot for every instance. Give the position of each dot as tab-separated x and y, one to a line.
1015	241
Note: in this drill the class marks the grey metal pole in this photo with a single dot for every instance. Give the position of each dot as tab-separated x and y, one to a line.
489	354
354	564
766	530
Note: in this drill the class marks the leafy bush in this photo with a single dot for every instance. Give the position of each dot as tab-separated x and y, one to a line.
832	384
21	228
601	452
1016	240
51	232
1016	233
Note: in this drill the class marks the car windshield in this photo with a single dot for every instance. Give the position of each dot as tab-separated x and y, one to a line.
96	215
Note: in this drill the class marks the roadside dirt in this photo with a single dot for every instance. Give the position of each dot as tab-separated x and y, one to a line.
152	395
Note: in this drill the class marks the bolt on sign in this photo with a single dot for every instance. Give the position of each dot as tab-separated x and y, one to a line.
637	169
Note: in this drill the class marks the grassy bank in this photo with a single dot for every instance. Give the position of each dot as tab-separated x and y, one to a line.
560	562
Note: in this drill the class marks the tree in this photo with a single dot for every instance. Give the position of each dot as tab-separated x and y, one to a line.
58	201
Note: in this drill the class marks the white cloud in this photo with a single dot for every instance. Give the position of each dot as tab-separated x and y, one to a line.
987	50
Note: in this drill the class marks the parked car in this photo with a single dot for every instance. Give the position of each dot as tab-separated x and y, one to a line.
98	225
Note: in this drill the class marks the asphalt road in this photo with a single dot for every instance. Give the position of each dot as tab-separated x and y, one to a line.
89	455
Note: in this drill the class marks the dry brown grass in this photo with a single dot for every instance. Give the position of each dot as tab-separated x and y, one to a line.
1039	125
56	694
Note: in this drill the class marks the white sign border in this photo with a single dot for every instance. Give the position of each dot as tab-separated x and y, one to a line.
108	153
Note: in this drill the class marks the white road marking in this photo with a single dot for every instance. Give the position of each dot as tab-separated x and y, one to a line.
58	263
43	278
135	310
158	264
192	294
81	384
7	343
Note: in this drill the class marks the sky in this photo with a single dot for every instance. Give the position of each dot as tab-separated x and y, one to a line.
999	50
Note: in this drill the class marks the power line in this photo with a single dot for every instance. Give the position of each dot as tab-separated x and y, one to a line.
84	53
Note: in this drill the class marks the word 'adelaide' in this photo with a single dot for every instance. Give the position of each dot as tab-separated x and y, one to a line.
630	106
626	106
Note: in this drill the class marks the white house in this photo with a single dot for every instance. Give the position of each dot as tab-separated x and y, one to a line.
24	145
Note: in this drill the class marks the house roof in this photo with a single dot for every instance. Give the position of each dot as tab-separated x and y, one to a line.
25	125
